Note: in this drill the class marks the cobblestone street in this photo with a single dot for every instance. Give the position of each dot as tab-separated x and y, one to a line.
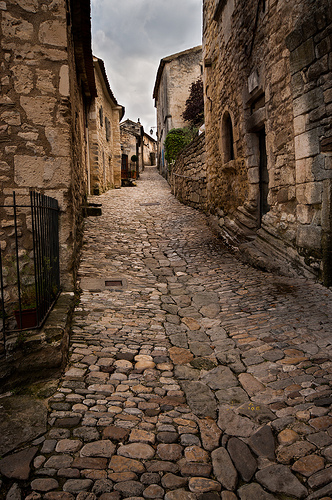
191	375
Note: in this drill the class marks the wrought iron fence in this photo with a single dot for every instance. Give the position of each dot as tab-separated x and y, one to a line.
29	262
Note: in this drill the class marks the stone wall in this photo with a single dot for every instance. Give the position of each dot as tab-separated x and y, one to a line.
265	100
311	73
42	115
35	133
188	175
104	136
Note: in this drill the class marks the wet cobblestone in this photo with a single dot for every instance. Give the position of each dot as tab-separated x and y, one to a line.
190	376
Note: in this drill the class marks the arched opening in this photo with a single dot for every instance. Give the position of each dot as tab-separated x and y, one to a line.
227	138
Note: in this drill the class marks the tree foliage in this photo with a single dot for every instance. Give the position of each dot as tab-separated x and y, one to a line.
175	141
194	109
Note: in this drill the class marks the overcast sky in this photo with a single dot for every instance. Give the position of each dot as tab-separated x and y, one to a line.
131	36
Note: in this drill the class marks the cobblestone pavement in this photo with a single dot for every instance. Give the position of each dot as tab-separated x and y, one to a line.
191	375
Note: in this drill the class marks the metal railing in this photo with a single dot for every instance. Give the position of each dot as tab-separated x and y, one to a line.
29	262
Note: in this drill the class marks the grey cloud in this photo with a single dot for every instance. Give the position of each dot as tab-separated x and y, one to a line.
132	36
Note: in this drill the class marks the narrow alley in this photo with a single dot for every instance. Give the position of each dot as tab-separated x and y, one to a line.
191	375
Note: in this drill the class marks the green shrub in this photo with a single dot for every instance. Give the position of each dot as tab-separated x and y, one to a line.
176	140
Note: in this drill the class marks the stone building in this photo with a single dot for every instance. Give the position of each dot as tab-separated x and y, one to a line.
149	150
131	138
268	119
174	77
104	135
47	85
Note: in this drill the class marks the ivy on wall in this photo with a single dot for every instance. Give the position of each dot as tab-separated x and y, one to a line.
176	140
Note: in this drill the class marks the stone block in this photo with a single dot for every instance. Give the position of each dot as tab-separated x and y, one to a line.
294	39
328	96
11	117
309	236
318	68
64	80
308	101
297	84
4	167
299	124
45	80
59	140
253	175
41	172
302	56
313	192
287	176
15	27
253	81
282	196
53	33
39	109
23	78
278	71
303	170
306	144
303	214
28	5
323	47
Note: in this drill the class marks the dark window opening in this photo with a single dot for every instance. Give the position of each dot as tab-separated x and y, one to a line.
113	283
101	116
107	128
258	103
227	138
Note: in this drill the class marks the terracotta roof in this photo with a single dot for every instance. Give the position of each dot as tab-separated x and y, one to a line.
167	59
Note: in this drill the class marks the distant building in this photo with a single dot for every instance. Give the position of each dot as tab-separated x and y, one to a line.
175	75
131	146
135	142
149	150
104	135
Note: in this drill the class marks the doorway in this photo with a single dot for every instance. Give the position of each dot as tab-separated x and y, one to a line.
263	175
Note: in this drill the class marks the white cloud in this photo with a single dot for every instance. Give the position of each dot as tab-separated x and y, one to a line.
131	36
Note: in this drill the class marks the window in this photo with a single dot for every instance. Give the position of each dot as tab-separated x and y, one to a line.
107	128
101	116
227	138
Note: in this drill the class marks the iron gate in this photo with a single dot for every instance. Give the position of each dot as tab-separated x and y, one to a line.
29	262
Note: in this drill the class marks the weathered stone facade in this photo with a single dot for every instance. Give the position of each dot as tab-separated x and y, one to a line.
267	89
46	86
175	75
132	134
188	175
149	150
104	135
136	142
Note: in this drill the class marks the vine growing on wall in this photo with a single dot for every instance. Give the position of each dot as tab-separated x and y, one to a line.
176	140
